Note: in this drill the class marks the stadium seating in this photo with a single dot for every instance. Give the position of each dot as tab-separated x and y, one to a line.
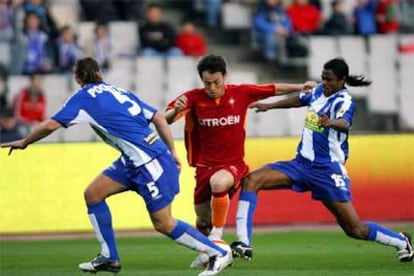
406	80
181	75
124	45
122	73
5	54
16	84
65	13
235	16
383	72
150	81
353	49
321	48
85	30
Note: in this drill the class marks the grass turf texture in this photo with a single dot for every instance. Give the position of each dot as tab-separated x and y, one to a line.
281	253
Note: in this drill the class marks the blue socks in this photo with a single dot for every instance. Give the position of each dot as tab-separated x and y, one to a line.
188	236
101	220
385	236
244	218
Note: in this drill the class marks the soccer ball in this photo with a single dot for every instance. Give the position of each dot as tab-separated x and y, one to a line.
223	244
202	259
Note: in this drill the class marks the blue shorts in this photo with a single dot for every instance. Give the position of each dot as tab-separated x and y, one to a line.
328	181
157	181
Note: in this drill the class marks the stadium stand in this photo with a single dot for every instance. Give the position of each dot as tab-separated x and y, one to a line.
158	80
353	48
5	54
124	46
320	47
150	80
65	13
383	71
181	75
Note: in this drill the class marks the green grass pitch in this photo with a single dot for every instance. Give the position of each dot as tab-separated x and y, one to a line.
290	253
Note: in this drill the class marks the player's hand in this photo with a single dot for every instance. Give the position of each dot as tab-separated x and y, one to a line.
19	144
180	104
260	107
176	159
309	85
324	121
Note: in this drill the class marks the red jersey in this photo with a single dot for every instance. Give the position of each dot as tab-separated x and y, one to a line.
28	109
305	18
215	127
191	44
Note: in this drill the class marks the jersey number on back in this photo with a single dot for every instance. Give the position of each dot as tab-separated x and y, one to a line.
119	94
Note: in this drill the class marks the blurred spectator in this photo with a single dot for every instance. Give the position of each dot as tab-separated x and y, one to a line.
317	4
111	10
271	26
100	47
4	88
386	15
406	16
38	48
98	10
364	17
157	37
7	17
30	103
129	10
46	21
212	10
190	41
68	50
338	23
205	12
305	17
10	128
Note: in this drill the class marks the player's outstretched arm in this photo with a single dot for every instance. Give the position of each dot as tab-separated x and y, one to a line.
165	133
40	131
173	114
285	103
286	88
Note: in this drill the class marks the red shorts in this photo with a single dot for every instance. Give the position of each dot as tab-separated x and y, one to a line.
202	191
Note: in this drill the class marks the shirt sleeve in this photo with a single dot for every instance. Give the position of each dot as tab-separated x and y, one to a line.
68	113
258	92
305	98
190	100
344	109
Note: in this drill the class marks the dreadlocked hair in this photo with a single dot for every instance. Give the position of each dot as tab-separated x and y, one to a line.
341	70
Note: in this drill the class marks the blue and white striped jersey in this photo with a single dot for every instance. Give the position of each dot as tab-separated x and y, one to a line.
119	117
319	144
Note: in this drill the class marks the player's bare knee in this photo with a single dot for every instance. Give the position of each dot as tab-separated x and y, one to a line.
164	227
357	231
92	197
251	183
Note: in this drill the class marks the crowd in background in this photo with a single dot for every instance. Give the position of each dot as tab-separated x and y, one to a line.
39	46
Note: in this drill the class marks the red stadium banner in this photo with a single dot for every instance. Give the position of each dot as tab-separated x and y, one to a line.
382	182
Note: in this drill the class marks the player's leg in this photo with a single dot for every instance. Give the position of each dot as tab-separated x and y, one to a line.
161	176
220	182
100	216
184	234
203	217
349	221
264	178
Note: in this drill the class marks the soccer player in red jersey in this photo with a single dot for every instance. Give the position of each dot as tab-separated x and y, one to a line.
215	134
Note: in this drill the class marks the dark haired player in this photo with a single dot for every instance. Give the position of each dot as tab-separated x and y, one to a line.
319	163
148	164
